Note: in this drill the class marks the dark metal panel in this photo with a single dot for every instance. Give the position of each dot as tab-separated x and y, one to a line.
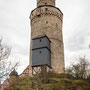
41	57
41	42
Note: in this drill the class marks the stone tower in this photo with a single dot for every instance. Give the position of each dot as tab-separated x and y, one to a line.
47	20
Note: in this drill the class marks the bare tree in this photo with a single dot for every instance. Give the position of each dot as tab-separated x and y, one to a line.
79	70
4	51
5	66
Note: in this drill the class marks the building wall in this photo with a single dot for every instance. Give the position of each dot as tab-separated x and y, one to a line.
47	20
4	85
45	2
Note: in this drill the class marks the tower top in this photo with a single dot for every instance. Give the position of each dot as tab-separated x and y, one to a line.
45	2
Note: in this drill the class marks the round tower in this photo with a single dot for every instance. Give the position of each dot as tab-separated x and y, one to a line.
13	76
47	20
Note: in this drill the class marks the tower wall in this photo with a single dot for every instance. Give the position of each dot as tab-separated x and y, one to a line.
45	2
47	20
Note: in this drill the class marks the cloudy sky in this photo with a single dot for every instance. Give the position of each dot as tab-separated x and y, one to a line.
15	28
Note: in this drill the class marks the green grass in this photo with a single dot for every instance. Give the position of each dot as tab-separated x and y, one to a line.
52	82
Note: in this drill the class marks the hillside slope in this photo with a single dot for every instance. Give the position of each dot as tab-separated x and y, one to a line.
52	82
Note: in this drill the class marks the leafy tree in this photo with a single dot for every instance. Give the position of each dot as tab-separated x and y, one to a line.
79	70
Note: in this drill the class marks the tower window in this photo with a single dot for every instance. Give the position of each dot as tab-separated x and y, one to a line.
40	40
45	3
56	25
46	22
38	15
46	9
40	52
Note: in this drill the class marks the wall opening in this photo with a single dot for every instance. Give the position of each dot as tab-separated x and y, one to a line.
46	9
40	40
46	3
38	15
46	22
40	52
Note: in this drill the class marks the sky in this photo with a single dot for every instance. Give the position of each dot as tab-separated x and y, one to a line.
15	29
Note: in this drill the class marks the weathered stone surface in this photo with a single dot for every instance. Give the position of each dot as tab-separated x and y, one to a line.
47	20
45	2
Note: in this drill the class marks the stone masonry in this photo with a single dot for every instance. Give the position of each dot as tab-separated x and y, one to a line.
47	20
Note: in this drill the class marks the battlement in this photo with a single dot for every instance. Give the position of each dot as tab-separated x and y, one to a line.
45	2
46	10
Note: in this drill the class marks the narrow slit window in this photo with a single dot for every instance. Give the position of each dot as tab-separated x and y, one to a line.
45	3
40	40
38	15
46	9
40	52
46	22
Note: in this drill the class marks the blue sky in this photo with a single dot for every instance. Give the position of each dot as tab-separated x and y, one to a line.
15	28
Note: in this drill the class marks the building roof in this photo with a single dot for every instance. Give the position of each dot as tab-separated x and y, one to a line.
14	72
25	72
5	84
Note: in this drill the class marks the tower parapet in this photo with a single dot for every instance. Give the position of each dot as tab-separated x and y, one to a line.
46	10
45	2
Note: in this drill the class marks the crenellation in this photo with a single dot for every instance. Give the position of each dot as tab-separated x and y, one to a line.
41	11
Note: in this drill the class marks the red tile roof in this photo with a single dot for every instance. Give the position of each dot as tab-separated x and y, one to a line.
4	85
6	82
25	72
